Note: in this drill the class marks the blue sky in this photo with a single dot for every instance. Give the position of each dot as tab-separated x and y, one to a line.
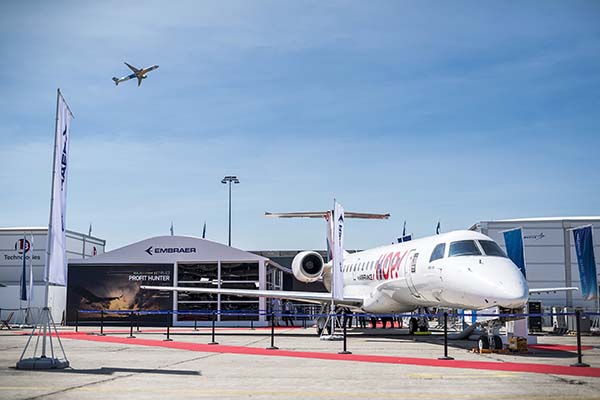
426	110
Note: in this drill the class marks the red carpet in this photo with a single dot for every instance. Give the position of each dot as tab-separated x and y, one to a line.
481	365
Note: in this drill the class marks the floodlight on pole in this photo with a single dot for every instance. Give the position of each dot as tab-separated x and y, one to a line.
228	180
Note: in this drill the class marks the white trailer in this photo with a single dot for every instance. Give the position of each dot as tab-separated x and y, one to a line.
12	250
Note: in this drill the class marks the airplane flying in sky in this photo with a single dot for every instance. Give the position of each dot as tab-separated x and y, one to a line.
460	269
137	73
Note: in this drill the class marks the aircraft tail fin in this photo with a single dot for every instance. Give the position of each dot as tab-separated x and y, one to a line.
115	80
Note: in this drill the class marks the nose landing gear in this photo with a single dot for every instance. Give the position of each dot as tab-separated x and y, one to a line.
493	342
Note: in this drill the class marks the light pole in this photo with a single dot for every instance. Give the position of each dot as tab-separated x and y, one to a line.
225	180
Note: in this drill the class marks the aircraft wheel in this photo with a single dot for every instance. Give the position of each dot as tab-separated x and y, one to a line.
413	326
496	343
484	342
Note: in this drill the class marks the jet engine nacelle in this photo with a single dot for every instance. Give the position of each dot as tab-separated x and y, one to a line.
307	266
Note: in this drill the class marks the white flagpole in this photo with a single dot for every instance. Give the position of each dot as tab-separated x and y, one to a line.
46	322
58	275
50	230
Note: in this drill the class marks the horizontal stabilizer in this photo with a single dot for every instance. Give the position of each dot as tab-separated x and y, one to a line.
322	214
115	80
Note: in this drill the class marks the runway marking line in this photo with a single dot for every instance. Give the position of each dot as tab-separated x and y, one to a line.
480	365
557	347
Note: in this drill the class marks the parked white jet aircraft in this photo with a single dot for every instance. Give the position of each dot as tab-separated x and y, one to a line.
137	73
460	269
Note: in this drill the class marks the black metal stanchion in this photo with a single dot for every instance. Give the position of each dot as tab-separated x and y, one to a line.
579	362
137	321
272	346
101	323
131	326
304	322
345	351
251	324
195	322
213	318
168	339
445	339
77	321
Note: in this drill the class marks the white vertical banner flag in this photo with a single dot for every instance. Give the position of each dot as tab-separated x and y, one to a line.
56	259
338	252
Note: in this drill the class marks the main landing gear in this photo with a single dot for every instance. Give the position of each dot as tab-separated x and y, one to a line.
418	324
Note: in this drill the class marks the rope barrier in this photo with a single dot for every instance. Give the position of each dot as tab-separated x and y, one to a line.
352	315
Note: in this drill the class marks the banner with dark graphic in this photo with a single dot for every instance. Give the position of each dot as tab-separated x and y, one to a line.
584	247
113	288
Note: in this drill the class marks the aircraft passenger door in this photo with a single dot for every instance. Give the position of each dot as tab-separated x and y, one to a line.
410	269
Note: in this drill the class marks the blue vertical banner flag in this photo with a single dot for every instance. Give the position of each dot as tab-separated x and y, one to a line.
24	248
404	237
584	247
514	248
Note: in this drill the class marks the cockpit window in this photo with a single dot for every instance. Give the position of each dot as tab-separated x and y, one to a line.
438	252
491	248
464	248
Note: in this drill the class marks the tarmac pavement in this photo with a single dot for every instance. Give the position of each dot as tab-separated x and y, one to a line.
388	364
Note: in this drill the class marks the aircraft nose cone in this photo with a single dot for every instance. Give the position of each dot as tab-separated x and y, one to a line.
512	291
514	296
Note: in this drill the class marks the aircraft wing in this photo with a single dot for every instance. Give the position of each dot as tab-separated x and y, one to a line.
552	290
310	297
146	70
134	69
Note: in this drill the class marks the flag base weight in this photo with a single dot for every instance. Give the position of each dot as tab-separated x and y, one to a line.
42	363
331	337
46	330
